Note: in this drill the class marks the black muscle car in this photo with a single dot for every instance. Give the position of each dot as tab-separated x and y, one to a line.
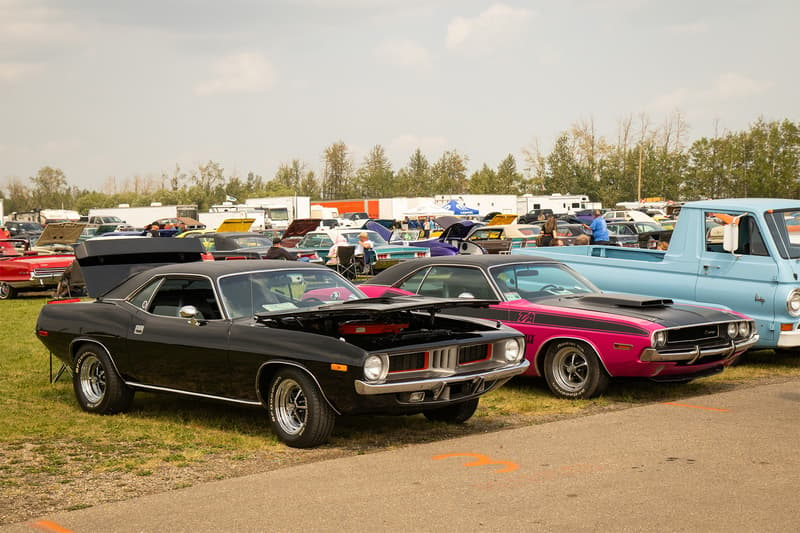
295	338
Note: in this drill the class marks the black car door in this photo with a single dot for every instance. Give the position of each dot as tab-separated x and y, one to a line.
170	352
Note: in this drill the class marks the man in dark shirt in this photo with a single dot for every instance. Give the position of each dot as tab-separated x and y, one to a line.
276	251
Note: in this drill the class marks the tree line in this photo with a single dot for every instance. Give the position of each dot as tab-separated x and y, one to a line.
643	161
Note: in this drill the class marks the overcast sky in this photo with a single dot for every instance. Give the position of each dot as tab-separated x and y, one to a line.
103	88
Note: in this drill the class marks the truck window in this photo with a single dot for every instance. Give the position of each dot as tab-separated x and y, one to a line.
750	240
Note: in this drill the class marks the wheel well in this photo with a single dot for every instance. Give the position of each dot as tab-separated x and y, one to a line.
268	370
75	348
540	356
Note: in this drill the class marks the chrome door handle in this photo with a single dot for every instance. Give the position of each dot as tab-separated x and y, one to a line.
707	267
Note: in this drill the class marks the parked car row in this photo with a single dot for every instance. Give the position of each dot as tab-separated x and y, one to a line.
429	334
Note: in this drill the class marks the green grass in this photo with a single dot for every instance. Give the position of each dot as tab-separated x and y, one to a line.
46	438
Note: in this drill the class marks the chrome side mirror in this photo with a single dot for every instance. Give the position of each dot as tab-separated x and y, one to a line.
190	312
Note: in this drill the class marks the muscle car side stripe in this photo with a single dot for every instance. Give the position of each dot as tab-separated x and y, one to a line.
550	319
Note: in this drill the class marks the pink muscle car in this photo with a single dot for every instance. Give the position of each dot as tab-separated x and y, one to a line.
577	337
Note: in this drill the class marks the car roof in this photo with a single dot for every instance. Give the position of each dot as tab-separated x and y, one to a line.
481	261
213	269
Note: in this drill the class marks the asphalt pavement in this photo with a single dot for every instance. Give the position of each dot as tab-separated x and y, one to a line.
722	462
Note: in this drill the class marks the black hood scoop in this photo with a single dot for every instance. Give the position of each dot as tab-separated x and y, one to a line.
626	300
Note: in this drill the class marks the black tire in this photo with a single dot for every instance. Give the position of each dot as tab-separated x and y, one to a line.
299	415
98	387
453	414
7	292
573	370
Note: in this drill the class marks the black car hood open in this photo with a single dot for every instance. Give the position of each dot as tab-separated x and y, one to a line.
659	310
106	262
375	306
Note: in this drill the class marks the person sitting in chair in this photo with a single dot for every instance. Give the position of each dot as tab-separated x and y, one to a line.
364	248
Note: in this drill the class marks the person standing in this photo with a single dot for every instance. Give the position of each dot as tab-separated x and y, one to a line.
548	231
599	228
276	251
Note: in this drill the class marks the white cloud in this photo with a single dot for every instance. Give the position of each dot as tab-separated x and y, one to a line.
668	102
496	25
404	54
692	27
245	72
731	85
32	23
10	72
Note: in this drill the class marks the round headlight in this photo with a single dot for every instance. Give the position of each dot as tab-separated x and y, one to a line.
744	329
659	338
512	351
374	368
793	302
733	329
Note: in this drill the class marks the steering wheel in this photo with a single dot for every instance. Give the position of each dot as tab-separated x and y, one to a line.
549	287
311	302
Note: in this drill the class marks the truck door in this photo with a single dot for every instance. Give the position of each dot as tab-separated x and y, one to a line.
745	280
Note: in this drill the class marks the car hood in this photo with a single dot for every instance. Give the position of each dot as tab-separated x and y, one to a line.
233	225
301	226
63	233
379	305
106	263
658	310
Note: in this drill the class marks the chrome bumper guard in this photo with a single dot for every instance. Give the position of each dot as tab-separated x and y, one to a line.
505	373
651	355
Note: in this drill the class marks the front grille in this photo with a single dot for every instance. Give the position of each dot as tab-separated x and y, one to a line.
444	359
47	272
693	334
407	362
472	354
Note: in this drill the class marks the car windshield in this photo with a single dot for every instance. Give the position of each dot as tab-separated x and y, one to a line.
352	238
785	229
315	240
30	226
111	220
276	291
252	241
531	281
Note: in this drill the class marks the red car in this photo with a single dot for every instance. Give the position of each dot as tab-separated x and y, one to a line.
40	271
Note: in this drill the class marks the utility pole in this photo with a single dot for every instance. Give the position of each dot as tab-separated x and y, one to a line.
639	187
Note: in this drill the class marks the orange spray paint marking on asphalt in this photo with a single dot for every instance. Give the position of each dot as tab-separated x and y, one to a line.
44	525
481	460
697	407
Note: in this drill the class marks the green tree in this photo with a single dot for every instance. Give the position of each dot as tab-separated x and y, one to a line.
415	178
449	174
337	174
375	178
50	189
483	181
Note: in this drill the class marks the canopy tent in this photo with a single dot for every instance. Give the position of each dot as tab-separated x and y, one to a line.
458	208
427	210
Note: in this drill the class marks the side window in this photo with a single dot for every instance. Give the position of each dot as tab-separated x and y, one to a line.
412	284
175	293
142	298
455	282
750	240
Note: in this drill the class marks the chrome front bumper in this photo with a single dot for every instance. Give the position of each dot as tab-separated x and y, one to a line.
651	355
433	384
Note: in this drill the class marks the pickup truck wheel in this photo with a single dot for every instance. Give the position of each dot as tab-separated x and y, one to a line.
7	292
453	414
573	370
299	414
98	387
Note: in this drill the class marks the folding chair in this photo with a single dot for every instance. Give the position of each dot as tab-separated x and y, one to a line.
346	265
369	260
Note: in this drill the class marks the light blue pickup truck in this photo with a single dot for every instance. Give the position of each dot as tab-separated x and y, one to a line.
739	253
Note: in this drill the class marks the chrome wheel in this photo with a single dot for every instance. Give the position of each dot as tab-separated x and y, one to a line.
7	291
291	406
571	369
93	380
